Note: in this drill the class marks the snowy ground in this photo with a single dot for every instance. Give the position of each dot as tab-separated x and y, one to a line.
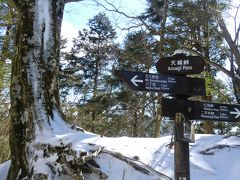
212	157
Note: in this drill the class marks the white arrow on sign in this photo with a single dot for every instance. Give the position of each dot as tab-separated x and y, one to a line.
134	80
237	113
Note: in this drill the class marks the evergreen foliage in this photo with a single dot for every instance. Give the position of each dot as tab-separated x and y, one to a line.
171	25
7	30
102	104
88	72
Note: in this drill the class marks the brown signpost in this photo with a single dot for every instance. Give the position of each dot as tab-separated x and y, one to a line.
183	110
178	86
180	64
196	110
178	107
162	83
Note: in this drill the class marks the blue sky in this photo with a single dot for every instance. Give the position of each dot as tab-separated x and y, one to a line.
76	15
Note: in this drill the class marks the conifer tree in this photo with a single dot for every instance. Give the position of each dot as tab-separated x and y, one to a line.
89	65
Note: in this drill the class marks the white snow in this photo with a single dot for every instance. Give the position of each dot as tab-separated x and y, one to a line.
212	157
42	32
43	19
4	169
216	164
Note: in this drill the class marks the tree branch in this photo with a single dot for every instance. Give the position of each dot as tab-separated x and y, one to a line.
113	8
135	163
232	45
68	1
237	34
237	29
219	67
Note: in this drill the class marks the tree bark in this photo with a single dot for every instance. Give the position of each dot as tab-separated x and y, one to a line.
34	96
232	45
34	84
236	54
135	125
207	125
158	117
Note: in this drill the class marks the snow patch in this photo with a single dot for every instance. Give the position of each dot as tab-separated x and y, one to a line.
4	167
222	164
34	77
43	20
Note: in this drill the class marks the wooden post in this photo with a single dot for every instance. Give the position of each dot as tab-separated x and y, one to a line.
181	150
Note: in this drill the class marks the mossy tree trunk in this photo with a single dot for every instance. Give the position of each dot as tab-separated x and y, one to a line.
35	99
158	118
34	84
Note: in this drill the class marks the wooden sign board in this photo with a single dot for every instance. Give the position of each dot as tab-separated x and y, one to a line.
195	110
180	64
162	83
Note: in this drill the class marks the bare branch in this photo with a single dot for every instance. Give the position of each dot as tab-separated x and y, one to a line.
68	1
219	67
237	30
113	8
232	45
237	34
135	163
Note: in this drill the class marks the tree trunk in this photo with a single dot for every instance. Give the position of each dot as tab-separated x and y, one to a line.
232	44
234	74
158	117
235	54
34	84
142	122
207	125
35	103
236	88
135	125
95	86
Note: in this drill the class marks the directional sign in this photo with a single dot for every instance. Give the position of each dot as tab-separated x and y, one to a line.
135	81
161	83
180	64
195	110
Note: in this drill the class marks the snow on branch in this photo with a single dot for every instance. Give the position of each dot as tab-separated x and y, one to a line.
219	67
68	1
136	164
68	161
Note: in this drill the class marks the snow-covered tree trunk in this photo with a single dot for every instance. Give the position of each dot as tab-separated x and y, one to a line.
34	82
35	106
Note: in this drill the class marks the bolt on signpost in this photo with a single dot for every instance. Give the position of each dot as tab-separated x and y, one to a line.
172	79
